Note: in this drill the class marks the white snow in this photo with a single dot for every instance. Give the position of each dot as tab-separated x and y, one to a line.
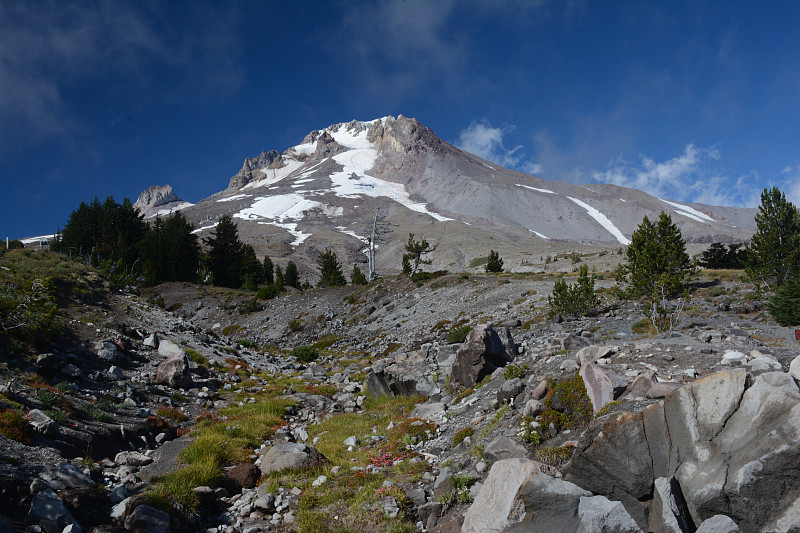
539	234
170	210
690	212
278	207
535	188
357	162
603	221
274	175
38	239
623	200
291	227
234	197
352	234
198	230
307	148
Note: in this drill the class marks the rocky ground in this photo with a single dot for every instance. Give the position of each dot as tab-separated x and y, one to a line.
110	409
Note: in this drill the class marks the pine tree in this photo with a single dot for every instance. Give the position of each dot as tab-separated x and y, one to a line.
224	254
330	270
357	277
657	258
291	277
785	303
574	300
494	263
269	271
774	251
251	269
412	259
279	284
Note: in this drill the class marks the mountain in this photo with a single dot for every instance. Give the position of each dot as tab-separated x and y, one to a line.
159	200
326	190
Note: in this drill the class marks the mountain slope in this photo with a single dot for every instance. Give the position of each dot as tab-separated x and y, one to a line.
326	190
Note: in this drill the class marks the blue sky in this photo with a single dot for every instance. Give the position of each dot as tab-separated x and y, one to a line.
692	101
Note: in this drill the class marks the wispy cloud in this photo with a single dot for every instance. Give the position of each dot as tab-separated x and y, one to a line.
484	140
690	176
791	184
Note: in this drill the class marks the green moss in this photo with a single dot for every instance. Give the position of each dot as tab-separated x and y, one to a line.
570	396
461	435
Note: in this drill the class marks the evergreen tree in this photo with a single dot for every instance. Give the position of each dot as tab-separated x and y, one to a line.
279	278
252	270
269	274
717	256
223	258
494	263
657	258
574	300
330	271
290	276
785	303
774	251
357	277
412	259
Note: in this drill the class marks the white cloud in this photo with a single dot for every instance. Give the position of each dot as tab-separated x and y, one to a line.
791	184
688	177
484	140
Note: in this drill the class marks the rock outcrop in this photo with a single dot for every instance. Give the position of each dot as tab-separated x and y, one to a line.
484	351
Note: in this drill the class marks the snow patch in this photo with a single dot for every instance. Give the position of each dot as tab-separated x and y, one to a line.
234	197
198	230
291	227
603	221
690	212
40	238
307	148
352	234
170	210
278	207
536	189
539	234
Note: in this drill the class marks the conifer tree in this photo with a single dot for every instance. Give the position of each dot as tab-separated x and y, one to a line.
291	278
279	278
494	263
785	303
330	270
412	259
269	271
223	258
357	277
774	251
657	258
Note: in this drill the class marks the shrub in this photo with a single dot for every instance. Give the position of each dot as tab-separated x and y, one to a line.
514	371
553	455
305	354
357	277
458	334
567	404
461	435
574	300
295	324
15	426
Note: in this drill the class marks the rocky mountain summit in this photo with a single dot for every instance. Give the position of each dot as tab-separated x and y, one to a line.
453	404
159	200
325	191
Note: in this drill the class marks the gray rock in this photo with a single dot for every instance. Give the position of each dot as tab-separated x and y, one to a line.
794	368
640	385
569	365
721	524
65	475
169	349
591	354
602	386
49	512
598	514
483	352
107	351
174	371
72	371
151	341
116	372
533	408
351	441
430	410
42	424
668	511
504	448
732	357
408	374
147	519
566	343
132	459
510	389
291	456
662	389
762	365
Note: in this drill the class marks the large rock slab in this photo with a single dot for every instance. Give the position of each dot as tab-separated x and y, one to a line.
484	351
517	497
598	514
602	386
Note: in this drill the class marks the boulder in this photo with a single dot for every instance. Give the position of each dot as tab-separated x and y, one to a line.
722	524
668	511
151	340
591	354
65	476
484	351
290	456
496	508
88	505
174	371
169	349
107	351
406	374
49	512
566	343
598	514
133	459
147	519
244	475
794	368
510	389
42	424
640	385
602	386
504	448
661	389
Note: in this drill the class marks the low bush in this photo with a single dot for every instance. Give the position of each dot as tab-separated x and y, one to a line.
458	334
305	354
574	300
